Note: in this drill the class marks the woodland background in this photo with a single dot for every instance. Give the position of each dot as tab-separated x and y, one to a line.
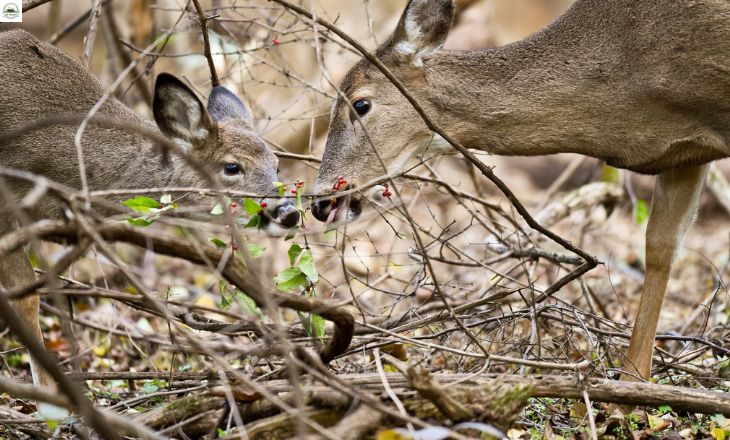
490	268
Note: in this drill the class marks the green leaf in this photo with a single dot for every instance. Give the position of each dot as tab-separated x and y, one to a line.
226	302
222	286
166	199
142	204
306	264
251	207
217	209
290	279
150	388
293	252
318	325
255	250
641	211
255	222
218	242
249	305
664	409
141	221
281	187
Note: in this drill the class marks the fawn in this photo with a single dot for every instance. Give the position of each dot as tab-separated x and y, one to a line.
43	82
643	85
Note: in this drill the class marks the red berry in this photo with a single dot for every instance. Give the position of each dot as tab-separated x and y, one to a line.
264	204
294	191
233	205
234	246
275	41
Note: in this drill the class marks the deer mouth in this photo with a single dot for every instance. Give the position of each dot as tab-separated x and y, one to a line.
279	218
338	209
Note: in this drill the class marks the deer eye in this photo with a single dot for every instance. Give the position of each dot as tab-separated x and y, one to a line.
231	169
361	106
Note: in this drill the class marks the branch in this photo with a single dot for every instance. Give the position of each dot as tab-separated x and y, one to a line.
174	247
32	4
203	20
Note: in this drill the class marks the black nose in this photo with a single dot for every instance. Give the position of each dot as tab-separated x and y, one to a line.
321	209
287	215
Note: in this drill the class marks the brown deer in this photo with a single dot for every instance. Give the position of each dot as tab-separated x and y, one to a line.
43	82
643	85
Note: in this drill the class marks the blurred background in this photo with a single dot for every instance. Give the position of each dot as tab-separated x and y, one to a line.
287	72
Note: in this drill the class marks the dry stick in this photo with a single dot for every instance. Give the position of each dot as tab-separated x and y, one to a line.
601	390
91	34
32	4
203	19
233	271
590	261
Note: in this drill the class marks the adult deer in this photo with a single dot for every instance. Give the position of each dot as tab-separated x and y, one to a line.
43	82
643	85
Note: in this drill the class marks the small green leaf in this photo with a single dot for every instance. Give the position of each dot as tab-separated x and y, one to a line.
306	264
142	204
150	388
290	279
166	199
141	221
641	212
249	305
218	242
293	252
226	302
281	187
251	207
664	409
217	209
255	222
318	325
223	286
255	250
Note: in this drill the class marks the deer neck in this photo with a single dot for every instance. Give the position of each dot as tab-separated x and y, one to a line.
542	95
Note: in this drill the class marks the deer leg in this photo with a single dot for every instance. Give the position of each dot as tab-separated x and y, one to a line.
16	270
673	205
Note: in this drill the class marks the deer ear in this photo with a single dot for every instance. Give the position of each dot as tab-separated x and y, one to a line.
422	29
178	112
224	105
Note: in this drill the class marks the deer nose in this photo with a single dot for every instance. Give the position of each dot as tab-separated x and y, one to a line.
287	214
321	209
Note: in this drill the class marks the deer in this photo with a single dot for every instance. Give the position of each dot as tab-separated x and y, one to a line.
642	85
44	82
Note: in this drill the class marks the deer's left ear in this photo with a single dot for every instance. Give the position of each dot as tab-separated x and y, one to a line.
422	29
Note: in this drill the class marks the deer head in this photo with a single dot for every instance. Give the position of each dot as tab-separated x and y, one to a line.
374	131
222	137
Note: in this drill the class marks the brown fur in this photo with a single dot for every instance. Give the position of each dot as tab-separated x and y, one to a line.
40	81
644	85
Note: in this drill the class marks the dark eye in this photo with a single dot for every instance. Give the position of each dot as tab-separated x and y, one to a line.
231	169
361	106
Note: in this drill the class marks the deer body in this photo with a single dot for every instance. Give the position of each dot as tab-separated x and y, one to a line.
642	84
43	82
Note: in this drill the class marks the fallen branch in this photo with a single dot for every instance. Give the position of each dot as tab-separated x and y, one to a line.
233	270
